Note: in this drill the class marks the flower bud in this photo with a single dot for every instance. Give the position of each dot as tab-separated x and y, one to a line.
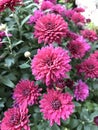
2	27
27	54
96	120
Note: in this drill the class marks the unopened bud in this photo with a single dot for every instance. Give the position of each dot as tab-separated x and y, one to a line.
2	27
27	54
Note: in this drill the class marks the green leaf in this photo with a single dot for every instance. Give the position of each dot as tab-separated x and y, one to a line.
25	20
24	66
9	61
7	82
87	127
79	127
74	123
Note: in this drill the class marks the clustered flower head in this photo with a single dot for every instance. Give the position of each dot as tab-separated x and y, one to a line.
89	68
90	35
33	18
75	16
9	4
94	56
78	47
46	5
81	91
56	105
15	119
50	28
66	60
50	64
26	93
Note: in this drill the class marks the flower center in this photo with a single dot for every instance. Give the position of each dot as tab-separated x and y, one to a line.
26	92
14	120
49	26
56	104
49	61
90	67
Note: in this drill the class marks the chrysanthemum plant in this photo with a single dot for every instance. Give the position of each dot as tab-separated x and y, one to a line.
48	66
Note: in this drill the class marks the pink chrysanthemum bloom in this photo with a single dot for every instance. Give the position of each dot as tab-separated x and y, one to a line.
50	64
15	119
78	18
53	1
79	9
56	105
33	18
89	68
0	125
9	4
60	84
72	35
50	28
46	5
78	47
69	13
96	120
94	55
69	83
26	93
59	9
90	35
81	91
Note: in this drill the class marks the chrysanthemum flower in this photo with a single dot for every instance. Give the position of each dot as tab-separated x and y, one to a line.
15	119
46	5
9	4
72	35
78	47
33	18
50	64
81	91
89	68
56	105
69	83
94	55
78	18
90	35
26	93
96	120
59	9
53	1
50	28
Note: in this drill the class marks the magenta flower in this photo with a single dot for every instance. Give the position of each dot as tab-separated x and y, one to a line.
78	18
94	55
9	4
96	120
81	91
50	28
91	35
89	68
72	35
78	47
33	18
59	9
50	64
56	105
53	1
46	5
15	119
26	93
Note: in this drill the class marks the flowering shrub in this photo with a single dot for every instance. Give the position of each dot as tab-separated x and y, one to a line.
48	66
